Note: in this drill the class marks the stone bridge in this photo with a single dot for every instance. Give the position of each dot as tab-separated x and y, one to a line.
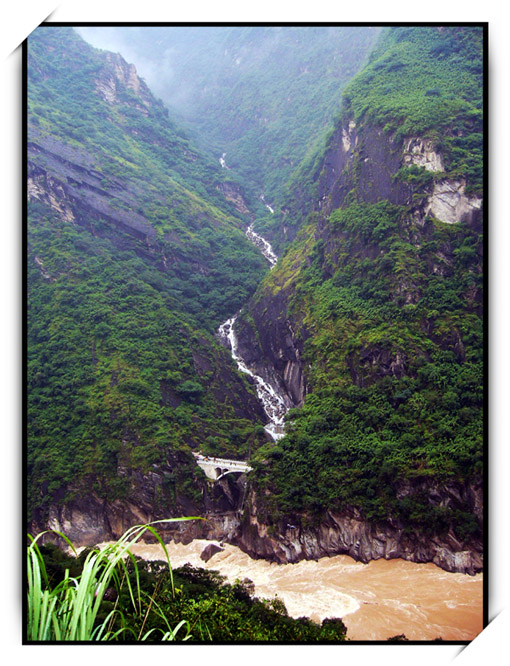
217	468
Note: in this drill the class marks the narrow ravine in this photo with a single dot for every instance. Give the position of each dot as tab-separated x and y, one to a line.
273	403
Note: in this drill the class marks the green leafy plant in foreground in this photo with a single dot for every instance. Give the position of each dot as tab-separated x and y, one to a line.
69	611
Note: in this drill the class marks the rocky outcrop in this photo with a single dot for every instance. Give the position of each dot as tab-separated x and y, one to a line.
233	193
449	202
422	153
272	348
88	519
209	551
367	159
116	76
299	537
66	180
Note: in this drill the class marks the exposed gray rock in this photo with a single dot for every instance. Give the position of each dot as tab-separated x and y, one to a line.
421	153
348	533
449	202
209	551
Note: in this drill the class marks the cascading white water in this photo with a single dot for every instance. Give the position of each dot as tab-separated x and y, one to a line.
266	204
262	245
273	404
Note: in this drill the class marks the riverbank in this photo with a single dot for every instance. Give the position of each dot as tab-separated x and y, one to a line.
376	601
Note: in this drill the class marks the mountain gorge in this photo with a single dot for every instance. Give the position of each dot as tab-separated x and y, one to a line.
375	315
134	258
258	98
370	324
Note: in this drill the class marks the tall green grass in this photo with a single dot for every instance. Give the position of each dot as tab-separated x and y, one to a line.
69	611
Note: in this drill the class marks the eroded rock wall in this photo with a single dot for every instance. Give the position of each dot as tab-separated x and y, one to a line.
302	537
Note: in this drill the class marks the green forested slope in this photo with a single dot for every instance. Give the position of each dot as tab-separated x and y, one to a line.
134	258
387	304
425	82
261	94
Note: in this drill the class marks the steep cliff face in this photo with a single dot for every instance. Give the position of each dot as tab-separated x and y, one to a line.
300	537
373	163
375	319
273	350
129	236
89	519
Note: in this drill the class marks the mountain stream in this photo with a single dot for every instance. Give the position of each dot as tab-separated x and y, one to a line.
274	404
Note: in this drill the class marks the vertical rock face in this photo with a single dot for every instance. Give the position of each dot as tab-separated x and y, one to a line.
297	538
365	158
421	152
361	165
368	159
267	343
89	520
449	202
118	71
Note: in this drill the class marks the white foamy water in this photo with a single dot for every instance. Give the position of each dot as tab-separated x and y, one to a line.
266	204
273	403
263	245
222	161
377	600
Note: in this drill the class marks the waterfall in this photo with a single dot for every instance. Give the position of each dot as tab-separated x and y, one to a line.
273	404
271	210
262	245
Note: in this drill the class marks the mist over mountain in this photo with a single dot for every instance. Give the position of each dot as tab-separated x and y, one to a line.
255	281
262	95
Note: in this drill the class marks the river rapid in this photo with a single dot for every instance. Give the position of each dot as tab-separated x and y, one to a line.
376	601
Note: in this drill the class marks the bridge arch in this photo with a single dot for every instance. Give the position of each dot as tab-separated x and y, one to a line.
216	468
230	471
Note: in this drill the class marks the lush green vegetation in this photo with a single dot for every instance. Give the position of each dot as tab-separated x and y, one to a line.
132	268
419	82
427	82
390	311
142	601
394	347
263	95
124	371
135	257
66	597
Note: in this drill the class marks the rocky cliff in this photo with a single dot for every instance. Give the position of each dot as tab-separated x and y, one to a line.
298	537
370	161
89	519
364	166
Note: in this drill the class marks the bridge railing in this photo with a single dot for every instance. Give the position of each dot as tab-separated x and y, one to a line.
220	461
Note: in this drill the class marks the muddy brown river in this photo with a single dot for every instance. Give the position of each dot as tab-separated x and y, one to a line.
377	600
